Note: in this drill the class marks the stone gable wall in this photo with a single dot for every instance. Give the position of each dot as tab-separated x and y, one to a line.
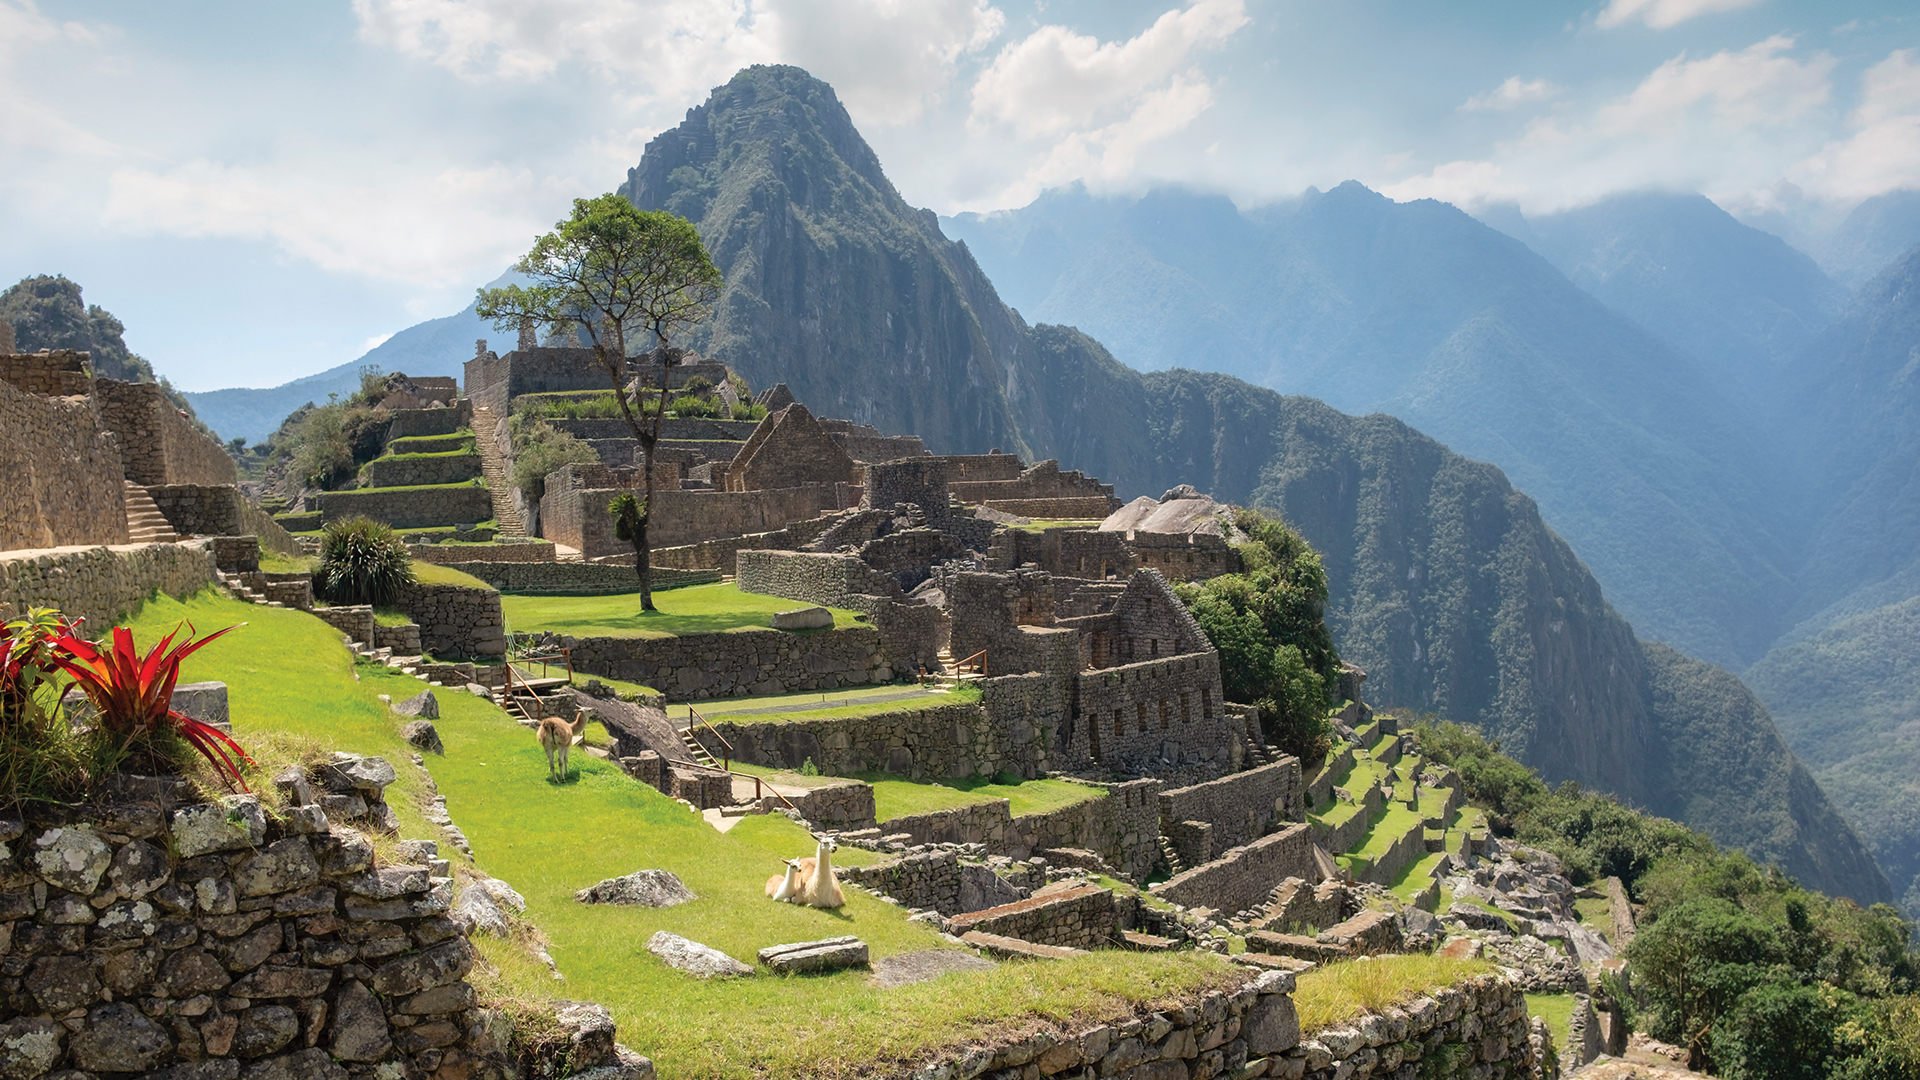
410	508
1240	807
1242	877
157	444
54	373
99	584
60	474
702	666
208	938
865	448
1136	715
787	450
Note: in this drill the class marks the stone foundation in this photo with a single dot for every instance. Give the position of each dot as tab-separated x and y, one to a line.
702	666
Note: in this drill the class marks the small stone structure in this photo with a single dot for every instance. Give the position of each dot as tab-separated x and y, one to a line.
789	449
1242	877
406	508
456	620
1068	916
700	666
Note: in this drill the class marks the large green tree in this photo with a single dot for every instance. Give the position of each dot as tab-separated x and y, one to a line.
1267	623
626	277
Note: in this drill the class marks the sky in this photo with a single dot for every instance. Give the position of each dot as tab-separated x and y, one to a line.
263	191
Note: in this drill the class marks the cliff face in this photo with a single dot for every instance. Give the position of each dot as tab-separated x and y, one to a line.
1447	586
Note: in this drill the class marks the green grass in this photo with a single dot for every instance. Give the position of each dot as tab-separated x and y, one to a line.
696	609
895	796
832	710
1417	877
406	487
1557	1011
289	676
427	444
427	573
1043	524
1390	827
386	616
419	455
1332	993
621	687
273	562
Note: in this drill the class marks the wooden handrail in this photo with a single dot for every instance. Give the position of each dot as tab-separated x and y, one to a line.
980	656
726	758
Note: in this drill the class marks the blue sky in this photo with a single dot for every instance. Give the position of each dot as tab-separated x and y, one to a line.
261	191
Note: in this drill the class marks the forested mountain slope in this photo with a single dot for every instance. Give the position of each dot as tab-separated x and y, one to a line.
1634	449
1447	585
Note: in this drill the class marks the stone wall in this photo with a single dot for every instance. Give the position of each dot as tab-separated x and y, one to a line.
219	510
49	373
159	445
815	577
834	807
60	478
927	879
958	740
1043	480
1138	715
1243	877
1122	828
410	471
700	666
1075	917
356	621
217	939
456	620
584	579
1240	807
517	550
1079	507
989	823
407	508
99	584
408	423
1320	787
577	516
722	554
919	481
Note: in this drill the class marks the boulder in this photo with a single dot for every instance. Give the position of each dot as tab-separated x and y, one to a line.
830	954
423	705
642	888
808	618
424	736
233	822
72	859
590	1032
693	957
205	702
350	773
481	913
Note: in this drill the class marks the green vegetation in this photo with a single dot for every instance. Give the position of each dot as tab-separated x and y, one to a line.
431	444
1557	1011
361	562
1267	622
830	705
539	449
427	573
325	445
1331	993
1043	524
292	680
896	796
695	609
48	313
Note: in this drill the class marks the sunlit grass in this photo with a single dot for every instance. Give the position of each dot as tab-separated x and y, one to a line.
1332	993
696	609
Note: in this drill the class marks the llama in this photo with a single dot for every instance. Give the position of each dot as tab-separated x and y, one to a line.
556	738
784	886
820	888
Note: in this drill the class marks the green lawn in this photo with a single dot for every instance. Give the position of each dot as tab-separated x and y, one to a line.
834	705
896	797
1557	1011
1043	524
418	455
1331	993
427	573
287	673
1390	827
695	609
1417	877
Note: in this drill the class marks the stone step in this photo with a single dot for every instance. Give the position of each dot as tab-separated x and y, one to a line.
1013	948
1294	945
1142	942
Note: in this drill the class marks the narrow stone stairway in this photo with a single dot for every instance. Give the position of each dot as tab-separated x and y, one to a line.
494	468
1175	864
145	523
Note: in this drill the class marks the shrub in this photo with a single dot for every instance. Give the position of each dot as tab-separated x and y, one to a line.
361	562
692	408
539	450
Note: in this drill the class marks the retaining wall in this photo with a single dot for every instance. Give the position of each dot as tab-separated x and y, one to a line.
410	422
49	373
700	666
958	740
428	469
406	508
1138	715
581	578
1241	806
1083	508
1243	877
527	551
219	510
158	444
60	478
100	584
578	517
456	620
1080	917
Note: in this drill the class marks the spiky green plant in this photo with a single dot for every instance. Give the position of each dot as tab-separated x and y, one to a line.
362	562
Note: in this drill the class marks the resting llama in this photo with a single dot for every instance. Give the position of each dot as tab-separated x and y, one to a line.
783	886
556	738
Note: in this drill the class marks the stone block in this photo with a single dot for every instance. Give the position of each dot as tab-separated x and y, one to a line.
205	702
693	957
830	954
808	618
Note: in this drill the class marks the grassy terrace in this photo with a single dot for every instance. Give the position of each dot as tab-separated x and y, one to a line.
434	574
828	705
291	680
1331	993
897	796
1043	524
1557	1011
696	609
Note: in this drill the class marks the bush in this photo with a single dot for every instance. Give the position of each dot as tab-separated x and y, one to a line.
690	407
361	562
539	450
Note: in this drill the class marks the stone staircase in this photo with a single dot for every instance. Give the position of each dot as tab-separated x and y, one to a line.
950	674
237	585
494	468
145	523
1175	864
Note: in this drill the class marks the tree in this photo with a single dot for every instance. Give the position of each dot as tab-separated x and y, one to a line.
619	273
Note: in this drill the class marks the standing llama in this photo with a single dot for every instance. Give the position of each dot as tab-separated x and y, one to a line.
556	738
819	888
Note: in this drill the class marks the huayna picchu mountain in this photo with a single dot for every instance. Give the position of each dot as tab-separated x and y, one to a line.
1447	585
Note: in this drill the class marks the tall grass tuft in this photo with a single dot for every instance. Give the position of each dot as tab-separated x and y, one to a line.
361	562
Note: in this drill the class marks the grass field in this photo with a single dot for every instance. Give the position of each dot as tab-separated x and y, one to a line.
1331	993
427	573
832	705
290	678
697	609
1557	1011
896	797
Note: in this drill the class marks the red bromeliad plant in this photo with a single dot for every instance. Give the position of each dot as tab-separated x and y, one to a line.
134	694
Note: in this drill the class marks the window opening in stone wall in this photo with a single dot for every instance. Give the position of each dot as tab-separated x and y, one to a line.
1140	715
1093	738
1118	731
1156	649
1206	703
1185	716
1163	714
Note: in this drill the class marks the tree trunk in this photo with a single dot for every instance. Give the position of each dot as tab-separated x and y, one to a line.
642	554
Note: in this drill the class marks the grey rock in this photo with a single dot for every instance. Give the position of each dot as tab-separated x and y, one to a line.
589	1029
349	773
192	971
1474	918
830	954
71	858
138	868
265	1029
343	851
233	822
126	921
807	618
644	888
387	882
444	963
283	982
292	782
423	705
29	1046
484	904
307	821
62	983
309	1064
221	1068
627	1065
382	819
693	957
423	735
118	1038
205	702
286	865
343	808
359	1027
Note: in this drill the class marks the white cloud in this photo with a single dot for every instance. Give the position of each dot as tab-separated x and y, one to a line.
1757	86
886	59
1466	184
1883	153
1107	155
1661	14
1511	95
399	223
29	124
1055	81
